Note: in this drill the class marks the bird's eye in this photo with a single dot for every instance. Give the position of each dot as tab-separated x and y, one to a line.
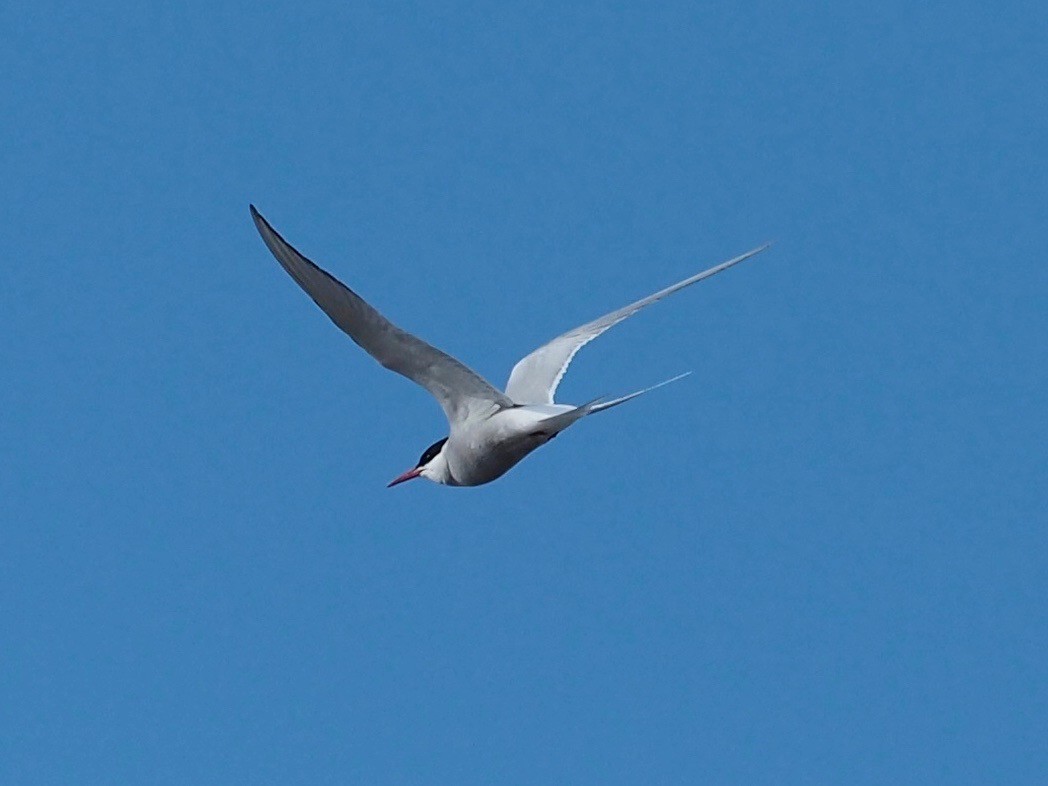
431	452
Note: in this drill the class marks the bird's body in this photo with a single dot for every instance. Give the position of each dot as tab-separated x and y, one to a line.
485	448
490	431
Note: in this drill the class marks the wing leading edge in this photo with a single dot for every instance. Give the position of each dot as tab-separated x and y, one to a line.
457	388
535	378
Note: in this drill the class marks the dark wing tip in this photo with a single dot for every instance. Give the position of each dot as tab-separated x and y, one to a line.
268	233
257	217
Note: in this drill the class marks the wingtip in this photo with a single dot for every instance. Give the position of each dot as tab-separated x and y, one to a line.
731	262
260	222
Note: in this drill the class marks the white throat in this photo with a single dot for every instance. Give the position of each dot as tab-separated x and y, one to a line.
437	470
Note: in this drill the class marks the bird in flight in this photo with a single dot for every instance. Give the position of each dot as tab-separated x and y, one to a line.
490	431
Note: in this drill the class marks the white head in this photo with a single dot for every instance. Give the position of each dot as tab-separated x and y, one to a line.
432	465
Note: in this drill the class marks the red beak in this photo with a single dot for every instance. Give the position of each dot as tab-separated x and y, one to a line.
411	473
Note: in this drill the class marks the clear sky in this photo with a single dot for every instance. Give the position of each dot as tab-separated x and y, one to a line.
821	559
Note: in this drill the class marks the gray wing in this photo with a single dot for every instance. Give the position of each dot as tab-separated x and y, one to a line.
460	390
535	378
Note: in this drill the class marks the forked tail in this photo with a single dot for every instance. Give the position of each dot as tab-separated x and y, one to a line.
557	423
603	405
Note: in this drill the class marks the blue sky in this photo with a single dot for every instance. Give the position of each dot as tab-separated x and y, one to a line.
820	559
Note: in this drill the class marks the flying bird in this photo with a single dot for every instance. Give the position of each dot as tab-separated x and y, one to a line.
490	431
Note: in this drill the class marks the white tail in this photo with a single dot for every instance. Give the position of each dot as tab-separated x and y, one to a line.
557	423
623	399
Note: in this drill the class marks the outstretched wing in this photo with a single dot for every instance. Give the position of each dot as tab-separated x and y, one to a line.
535	378
459	389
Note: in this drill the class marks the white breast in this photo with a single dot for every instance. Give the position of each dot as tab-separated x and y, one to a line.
481	451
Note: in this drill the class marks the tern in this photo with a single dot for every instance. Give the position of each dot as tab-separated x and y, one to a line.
490	431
